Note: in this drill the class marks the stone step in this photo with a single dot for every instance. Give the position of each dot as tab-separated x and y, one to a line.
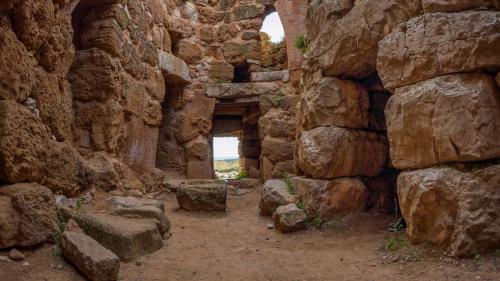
91	258
127	238
205	196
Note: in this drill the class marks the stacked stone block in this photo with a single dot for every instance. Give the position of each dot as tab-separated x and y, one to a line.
443	123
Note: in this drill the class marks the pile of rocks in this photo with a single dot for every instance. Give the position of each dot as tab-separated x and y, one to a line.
276	200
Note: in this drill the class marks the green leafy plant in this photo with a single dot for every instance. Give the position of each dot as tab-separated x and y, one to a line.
300	205
393	243
79	206
289	183
317	222
241	175
61	227
301	44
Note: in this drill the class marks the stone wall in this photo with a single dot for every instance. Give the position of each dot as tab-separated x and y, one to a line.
433	63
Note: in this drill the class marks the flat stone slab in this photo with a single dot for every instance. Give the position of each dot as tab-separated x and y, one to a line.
175	71
269	76
146	212
132	202
241	90
203	197
91	258
127	238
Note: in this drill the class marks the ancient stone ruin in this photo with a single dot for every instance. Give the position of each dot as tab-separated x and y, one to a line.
388	107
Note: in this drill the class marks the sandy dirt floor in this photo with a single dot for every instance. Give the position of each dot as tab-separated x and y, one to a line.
239	246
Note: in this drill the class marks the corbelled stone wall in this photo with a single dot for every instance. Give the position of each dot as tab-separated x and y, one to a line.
431	66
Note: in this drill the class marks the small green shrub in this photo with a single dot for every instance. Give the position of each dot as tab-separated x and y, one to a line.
300	205
393	243
288	180
317	222
79	206
241	175
301	44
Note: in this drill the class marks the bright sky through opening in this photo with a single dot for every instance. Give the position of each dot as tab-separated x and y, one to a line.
225	148
273	27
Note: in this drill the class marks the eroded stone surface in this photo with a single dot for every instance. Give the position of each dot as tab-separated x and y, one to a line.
28	215
455	209
175	71
204	196
415	51
289	218
274	193
95	261
331	198
451	118
328	152
333	102
127	238
347	46
239	90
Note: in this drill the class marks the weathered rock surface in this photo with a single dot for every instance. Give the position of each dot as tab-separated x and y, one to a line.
321	12
132	202
127	238
241	90
274	193
146	212
268	76
328	152
452	118
455	209
28	215
204	196
289	218
245	183
437	44
331	198
449	6
29	154
333	102
347	46
175	71
276	149
92	259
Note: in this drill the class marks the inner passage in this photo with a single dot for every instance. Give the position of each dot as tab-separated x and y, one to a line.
226	157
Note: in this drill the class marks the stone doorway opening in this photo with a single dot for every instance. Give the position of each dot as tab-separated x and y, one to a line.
239	122
226	156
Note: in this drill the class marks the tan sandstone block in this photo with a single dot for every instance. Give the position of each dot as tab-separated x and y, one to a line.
329	152
445	119
438	44
456	209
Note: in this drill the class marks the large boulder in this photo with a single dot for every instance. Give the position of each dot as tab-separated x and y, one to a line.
329	152
437	44
175	71
127	238
347	46
92	259
452	118
329	101
28	215
28	153
274	193
331	198
289	218
456	209
449	6
203	196
320	12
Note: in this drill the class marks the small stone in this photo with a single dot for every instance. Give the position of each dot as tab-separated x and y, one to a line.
289	218
4	259
60	266
116	193
16	255
270	226
26	263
